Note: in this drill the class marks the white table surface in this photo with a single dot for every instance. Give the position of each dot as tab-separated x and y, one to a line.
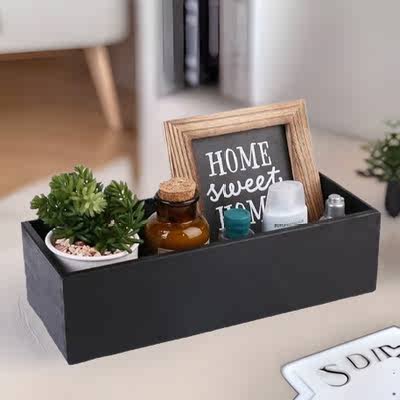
241	362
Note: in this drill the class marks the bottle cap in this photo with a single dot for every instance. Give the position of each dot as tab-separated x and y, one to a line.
237	223
334	206
335	200
285	196
177	190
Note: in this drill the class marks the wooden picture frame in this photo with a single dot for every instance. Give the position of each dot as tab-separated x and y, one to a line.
181	133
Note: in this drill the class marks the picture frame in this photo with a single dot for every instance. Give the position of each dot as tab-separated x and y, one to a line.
184	136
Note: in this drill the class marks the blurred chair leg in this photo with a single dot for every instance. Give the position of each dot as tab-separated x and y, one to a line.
98	60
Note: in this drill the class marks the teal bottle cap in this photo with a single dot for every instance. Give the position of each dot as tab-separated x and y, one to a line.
237	223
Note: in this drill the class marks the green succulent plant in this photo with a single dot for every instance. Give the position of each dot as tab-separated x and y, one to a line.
383	162
78	208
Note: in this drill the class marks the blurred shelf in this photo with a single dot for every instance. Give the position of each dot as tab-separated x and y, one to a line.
194	101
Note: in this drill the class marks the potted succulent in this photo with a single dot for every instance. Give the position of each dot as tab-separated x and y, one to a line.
384	164
90	225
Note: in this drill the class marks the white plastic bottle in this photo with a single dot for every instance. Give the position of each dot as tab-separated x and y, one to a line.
285	206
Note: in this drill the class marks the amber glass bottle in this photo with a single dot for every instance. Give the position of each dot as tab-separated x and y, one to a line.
176	224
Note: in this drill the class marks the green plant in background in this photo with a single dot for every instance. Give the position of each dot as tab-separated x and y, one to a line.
383	162
78	208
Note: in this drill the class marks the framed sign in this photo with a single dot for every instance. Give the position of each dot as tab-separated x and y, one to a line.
235	156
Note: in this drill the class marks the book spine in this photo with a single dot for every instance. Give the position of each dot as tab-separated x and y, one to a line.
171	75
235	49
202	41
211	63
192	42
179	42
213	32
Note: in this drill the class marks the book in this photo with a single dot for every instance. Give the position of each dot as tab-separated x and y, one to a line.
235	62
172	75
201	41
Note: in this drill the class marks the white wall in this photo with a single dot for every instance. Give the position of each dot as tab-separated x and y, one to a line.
149	125
342	56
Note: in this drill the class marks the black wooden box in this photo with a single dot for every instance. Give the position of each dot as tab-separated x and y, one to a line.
138	303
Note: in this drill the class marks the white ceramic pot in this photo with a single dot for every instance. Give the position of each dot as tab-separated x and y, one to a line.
72	263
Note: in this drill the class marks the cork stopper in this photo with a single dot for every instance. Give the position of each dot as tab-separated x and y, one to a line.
177	190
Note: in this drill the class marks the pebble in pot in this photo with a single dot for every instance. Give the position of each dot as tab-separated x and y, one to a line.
92	258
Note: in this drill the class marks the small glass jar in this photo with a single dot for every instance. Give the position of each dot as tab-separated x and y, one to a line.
176	225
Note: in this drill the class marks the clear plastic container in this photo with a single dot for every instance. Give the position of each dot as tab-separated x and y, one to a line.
285	206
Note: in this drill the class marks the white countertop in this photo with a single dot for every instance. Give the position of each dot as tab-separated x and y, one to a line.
241	362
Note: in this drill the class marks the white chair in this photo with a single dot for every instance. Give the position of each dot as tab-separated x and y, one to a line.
29	26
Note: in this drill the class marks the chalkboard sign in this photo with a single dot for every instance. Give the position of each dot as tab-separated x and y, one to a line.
235	156
236	171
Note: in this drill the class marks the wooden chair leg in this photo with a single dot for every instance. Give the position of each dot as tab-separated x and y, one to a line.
98	60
